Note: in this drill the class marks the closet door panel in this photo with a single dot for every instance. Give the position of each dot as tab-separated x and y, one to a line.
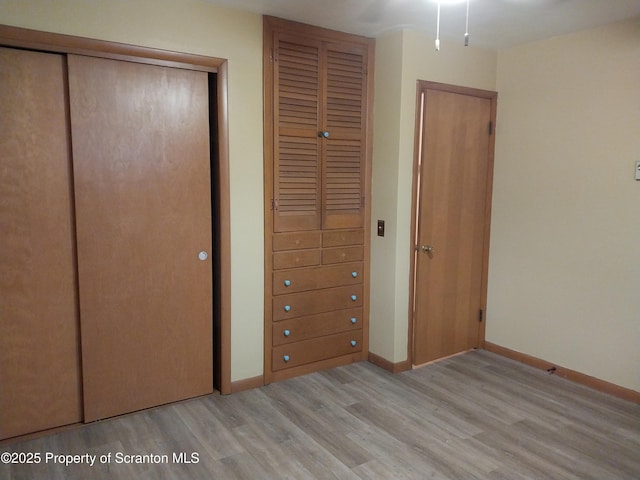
142	184
343	176
39	344
297	80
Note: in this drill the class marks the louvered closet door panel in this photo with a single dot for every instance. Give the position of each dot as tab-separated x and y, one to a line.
344	166
297	195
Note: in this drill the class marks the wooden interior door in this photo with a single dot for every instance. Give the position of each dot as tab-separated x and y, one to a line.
452	214
39	337
142	187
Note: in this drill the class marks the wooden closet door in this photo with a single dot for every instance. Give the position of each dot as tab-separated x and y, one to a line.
344	150
39	343
142	186
297	141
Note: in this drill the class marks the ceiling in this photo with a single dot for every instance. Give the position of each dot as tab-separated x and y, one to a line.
494	24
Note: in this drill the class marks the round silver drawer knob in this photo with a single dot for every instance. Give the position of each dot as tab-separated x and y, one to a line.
203	255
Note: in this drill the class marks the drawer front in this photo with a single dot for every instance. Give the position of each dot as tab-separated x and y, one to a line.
342	255
292	281
312	326
307	351
342	237
296	258
318	301
296	240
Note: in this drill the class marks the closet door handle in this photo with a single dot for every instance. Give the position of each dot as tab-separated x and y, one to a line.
427	249
323	134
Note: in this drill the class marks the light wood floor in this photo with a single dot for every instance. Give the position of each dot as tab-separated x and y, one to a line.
474	416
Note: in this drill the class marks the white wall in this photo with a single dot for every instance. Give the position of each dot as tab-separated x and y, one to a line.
192	26
564	273
403	58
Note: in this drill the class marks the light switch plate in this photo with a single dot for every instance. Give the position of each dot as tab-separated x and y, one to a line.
638	170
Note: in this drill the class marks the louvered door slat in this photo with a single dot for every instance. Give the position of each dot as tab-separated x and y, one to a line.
297	176
344	184
297	172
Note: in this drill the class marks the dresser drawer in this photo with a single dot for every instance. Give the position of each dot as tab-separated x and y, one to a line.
296	240
317	301
296	258
342	255
312	326
292	281
339	238
307	351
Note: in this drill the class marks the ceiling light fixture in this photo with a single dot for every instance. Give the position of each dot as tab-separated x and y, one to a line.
466	28
466	31
438	29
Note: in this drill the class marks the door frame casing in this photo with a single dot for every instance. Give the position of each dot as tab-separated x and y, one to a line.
421	87
67	44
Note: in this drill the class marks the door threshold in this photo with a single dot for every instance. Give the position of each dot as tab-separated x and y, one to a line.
413	367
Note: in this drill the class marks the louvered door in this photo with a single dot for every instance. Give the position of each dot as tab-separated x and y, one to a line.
343	176
297	199
320	134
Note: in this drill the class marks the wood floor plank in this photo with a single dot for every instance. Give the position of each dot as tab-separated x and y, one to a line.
473	416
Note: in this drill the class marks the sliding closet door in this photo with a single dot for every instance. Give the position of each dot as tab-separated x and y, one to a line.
39	353
142	186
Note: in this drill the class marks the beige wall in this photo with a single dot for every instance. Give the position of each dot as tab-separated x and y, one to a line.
403	58
564	273
565	252
194	27
384	200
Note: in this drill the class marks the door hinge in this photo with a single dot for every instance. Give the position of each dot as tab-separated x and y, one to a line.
274	204
480	315
490	128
